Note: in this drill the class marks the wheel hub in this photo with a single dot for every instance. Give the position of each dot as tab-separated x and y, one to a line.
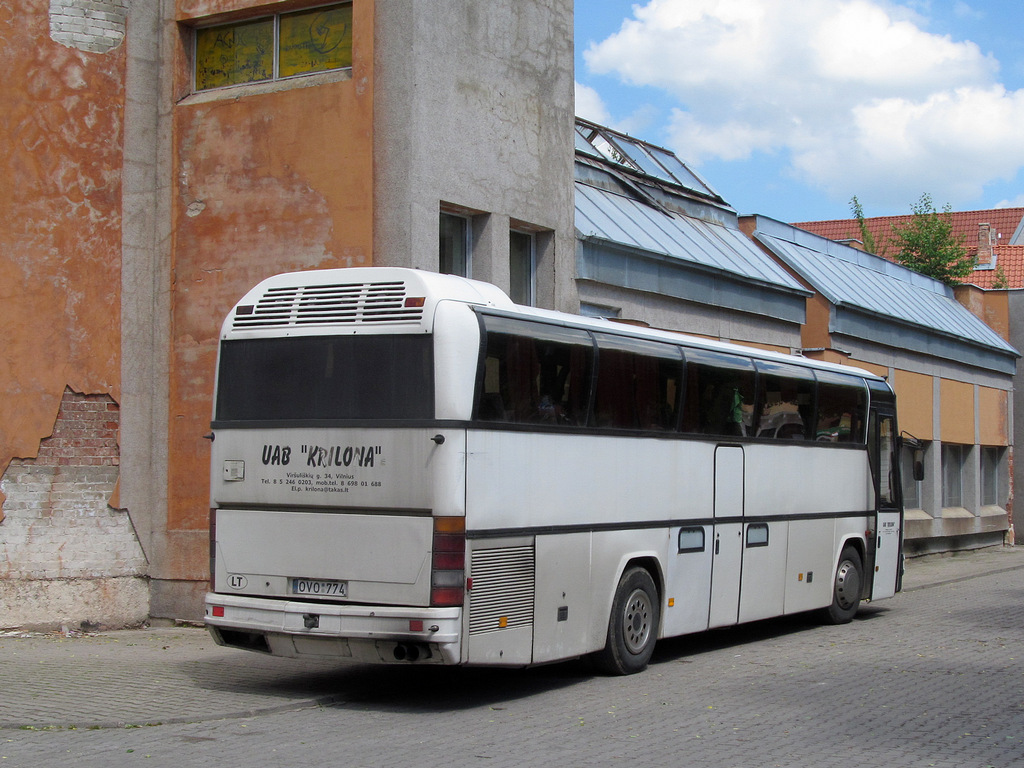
637	623
847	585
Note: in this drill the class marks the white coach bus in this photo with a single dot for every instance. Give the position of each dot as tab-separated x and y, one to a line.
409	468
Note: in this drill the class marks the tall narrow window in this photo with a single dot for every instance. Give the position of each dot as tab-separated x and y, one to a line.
952	475
522	266
991	458
454	256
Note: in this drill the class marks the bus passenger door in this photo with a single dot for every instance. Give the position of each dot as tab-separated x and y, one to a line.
888	507
727	548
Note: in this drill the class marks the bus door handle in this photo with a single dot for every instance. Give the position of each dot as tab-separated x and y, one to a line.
718	541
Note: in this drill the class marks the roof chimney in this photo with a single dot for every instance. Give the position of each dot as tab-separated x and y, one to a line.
985	245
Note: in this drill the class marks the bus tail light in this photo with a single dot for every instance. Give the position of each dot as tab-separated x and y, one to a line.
213	548
448	563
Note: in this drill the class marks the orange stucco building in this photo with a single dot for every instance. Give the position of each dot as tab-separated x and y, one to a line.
164	158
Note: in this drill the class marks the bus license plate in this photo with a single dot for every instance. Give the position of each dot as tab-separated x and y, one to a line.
320	587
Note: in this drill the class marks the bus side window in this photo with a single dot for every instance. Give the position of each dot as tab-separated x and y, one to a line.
720	393
534	373
638	384
888	465
841	412
787	401
561	396
492	397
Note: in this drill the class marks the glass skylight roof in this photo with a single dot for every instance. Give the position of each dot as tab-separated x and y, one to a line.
637	156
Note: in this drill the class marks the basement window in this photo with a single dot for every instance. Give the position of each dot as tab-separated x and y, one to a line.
274	47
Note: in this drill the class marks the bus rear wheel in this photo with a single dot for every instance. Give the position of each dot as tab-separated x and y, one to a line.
632	626
847	587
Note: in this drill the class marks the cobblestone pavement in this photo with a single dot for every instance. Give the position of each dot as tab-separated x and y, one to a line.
933	677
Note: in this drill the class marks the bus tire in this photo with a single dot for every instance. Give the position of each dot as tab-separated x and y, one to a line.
847	587
632	626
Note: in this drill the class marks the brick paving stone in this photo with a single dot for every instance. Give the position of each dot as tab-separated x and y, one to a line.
931	678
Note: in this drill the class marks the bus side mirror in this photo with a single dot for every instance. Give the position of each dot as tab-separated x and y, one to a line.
918	465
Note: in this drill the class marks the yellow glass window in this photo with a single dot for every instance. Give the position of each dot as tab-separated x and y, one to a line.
315	40
234	53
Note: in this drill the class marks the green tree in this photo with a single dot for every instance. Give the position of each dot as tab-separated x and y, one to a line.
865	234
926	244
1001	282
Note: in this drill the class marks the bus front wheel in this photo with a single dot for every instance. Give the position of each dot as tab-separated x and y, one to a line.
633	625
847	587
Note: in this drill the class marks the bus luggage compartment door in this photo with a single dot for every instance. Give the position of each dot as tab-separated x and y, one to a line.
727	546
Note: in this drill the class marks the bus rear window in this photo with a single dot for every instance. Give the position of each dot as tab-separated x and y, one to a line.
326	378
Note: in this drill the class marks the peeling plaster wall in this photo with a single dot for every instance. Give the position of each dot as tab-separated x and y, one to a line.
67	556
268	179
61	109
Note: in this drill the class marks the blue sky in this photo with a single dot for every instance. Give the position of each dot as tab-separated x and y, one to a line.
788	108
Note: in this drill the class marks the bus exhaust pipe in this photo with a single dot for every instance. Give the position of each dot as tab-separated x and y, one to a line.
411	652
405	652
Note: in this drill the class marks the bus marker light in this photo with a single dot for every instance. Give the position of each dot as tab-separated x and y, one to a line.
448	562
218	611
415	625
503	621
415	301
671	602
446	596
799	577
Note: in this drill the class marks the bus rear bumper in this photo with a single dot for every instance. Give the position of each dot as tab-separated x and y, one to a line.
370	633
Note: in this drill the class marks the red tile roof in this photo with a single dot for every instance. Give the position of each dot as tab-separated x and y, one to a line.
1009	259
1009	262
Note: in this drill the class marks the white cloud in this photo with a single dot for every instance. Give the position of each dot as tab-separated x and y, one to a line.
589	105
856	93
965	11
731	140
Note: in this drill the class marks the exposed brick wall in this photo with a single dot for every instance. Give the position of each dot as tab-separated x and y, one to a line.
84	435
94	26
66	556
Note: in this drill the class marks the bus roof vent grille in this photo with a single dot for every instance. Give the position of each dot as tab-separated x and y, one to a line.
381	303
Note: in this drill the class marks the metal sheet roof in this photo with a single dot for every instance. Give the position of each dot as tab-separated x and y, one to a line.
848	277
615	218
